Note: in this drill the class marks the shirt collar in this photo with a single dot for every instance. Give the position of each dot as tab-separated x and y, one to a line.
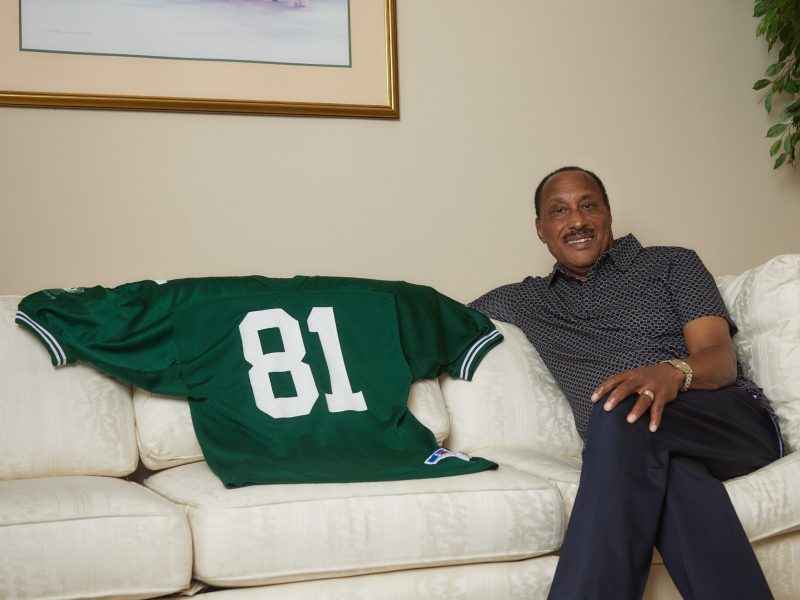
622	254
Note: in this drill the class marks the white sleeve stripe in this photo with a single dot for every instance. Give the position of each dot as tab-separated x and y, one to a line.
47	337
474	350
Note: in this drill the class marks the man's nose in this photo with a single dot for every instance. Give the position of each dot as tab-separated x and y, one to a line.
576	219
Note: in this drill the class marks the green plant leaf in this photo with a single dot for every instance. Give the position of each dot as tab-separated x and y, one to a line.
772	29
792	146
792	86
785	34
779	25
774	69
790	38
761	84
790	111
760	8
771	13
787	144
794	106
776	130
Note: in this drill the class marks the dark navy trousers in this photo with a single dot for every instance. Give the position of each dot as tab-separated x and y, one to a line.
640	490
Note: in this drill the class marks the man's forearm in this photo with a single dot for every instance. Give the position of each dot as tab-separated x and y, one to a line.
713	367
711	353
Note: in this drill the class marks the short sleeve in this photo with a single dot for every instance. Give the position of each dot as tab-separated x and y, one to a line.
440	335
694	291
124	332
498	303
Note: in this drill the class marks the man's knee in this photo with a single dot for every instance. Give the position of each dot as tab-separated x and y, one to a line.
609	429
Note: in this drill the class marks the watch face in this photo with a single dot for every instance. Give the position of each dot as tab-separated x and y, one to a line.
681	366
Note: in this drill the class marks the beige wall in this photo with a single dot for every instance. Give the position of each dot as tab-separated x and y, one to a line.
655	96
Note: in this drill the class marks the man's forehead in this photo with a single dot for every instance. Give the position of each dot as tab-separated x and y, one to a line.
570	182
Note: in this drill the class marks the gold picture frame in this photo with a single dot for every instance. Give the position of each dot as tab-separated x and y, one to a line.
368	88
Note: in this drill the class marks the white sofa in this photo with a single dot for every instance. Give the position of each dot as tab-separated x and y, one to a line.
79	520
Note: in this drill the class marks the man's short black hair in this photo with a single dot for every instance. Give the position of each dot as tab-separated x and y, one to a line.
537	197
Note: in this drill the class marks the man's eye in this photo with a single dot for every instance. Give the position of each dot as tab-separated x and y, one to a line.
590	205
559	211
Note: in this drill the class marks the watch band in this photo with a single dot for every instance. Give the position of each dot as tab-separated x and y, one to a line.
684	368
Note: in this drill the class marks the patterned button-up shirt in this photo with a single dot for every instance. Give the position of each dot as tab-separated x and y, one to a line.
629	312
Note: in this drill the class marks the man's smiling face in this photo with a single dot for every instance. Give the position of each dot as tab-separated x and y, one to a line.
575	222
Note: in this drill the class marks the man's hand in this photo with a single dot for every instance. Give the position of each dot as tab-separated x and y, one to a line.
656	385
711	356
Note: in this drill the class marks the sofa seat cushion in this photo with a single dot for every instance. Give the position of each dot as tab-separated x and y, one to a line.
265	534
564	472
519	580
767	501
91	537
779	558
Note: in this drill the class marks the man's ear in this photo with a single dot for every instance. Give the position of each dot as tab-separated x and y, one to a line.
539	231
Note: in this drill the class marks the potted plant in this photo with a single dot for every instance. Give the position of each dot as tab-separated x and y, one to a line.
780	25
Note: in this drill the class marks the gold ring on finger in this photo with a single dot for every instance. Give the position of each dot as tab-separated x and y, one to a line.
649	394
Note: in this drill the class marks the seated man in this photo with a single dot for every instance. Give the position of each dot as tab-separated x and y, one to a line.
639	340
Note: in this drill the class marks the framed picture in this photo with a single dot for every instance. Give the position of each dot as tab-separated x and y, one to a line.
287	57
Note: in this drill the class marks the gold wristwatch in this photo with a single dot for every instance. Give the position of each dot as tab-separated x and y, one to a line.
684	368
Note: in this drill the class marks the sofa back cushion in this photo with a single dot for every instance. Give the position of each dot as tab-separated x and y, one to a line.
512	400
71	420
764	302
166	436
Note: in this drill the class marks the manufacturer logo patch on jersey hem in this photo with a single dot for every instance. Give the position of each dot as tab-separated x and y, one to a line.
443	453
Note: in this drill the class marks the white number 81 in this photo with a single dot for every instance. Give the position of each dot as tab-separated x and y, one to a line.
320	321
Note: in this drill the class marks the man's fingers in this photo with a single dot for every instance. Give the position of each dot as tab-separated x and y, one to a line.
608	384
641	407
656	410
618	394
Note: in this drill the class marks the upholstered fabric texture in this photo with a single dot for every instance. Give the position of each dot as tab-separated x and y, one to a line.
512	400
164	431
166	436
767	501
75	421
562	471
765	304
779	558
271	534
521	580
88	537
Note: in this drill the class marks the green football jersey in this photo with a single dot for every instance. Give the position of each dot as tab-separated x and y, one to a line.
289	380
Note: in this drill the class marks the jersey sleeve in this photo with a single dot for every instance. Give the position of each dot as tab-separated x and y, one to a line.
124	332
694	291
440	335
